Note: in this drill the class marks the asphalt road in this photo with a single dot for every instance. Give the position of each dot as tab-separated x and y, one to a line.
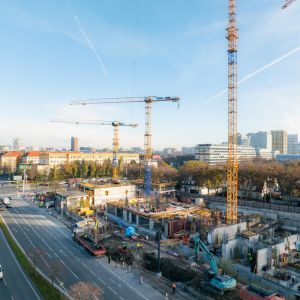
58	256
15	284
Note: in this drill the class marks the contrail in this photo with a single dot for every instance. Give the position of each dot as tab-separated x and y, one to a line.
87	39
258	71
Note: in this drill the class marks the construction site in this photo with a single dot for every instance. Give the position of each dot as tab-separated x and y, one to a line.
213	249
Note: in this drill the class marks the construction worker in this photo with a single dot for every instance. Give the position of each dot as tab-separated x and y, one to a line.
174	287
138	246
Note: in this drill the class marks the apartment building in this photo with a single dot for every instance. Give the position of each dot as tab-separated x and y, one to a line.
10	160
32	157
58	158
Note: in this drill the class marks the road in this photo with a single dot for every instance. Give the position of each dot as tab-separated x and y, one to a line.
15	284
58	256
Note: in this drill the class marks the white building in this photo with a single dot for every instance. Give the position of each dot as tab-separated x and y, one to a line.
218	154
109	192
264	153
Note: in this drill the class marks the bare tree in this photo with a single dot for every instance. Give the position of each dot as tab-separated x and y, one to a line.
35	255
55	268
85	291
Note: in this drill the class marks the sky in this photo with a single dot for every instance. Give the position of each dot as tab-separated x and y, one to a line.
56	51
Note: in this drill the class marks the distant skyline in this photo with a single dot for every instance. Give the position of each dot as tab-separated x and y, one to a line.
57	51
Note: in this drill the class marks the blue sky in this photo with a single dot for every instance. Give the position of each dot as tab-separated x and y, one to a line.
142	47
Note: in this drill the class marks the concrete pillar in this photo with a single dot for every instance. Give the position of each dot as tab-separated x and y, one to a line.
137	220
125	215
130	217
151	224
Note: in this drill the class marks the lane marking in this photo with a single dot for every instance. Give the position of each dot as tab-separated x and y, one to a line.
130	286
112	290
101	280
69	269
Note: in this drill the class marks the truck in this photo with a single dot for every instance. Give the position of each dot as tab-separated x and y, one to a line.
221	283
87	236
255	293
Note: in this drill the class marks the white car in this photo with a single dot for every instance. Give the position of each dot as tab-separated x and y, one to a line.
1	272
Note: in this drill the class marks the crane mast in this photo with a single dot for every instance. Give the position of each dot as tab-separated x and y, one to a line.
115	161
148	146
232	163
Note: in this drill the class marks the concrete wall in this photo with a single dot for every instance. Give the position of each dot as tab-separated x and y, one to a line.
262	258
229	249
225	233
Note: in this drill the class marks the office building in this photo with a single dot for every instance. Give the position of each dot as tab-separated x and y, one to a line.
279	141
17	144
188	150
260	140
293	144
242	141
74	144
218	154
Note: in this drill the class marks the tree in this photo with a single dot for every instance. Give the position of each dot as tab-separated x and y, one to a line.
85	291
55	268
92	169
35	255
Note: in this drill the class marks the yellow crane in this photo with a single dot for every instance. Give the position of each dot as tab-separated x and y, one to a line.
232	162
116	125
148	124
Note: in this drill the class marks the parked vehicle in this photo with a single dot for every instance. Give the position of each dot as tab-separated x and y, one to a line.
2	207
6	201
1	272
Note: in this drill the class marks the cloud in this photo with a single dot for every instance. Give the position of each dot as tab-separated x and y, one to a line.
87	39
256	72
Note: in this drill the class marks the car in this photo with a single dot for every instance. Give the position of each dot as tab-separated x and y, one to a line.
1	272
2	208
8	205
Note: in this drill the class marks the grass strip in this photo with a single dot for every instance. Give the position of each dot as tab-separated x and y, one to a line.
44	287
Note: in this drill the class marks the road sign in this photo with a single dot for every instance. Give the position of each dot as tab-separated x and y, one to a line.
17	178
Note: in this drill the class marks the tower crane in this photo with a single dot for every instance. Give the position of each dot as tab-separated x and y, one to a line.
287	3
232	162
148	124
116	125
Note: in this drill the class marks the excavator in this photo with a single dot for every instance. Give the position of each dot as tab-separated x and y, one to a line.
222	283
